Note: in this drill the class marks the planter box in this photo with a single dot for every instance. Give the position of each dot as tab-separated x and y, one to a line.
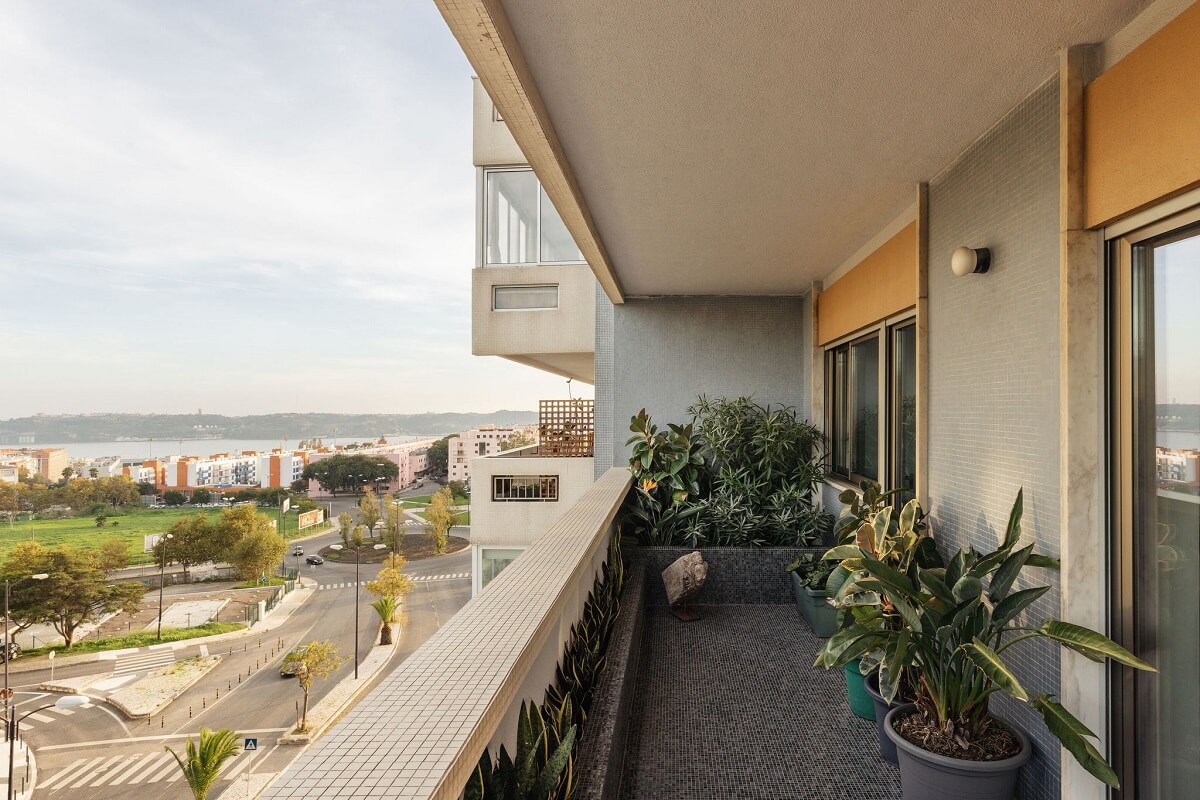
822	616
736	575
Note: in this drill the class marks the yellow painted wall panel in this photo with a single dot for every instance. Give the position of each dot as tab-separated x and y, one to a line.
1142	124
882	284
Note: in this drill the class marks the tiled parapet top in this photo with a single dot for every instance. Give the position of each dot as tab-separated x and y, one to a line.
421	731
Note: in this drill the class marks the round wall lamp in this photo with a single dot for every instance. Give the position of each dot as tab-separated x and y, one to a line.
966	260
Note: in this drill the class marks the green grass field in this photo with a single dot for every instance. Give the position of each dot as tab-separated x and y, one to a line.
131	527
141	639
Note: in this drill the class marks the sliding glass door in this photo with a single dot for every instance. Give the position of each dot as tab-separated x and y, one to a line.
1156	542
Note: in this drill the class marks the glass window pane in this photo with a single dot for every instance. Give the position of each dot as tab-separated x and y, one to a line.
864	409
1167	548
511	225
904	410
557	244
839	418
510	298
495	560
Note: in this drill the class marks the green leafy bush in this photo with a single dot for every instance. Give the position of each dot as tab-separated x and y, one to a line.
948	629
739	474
812	571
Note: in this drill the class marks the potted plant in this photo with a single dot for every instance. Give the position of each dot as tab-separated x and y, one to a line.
903	542
809	576
957	624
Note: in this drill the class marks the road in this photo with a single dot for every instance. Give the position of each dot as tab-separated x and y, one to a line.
94	753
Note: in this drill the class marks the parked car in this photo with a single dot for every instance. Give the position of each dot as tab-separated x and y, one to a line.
11	652
297	550
314	559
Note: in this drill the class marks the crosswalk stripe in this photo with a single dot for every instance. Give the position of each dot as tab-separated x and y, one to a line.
90	774
40	718
152	766
241	764
119	776
66	712
69	772
143	661
162	773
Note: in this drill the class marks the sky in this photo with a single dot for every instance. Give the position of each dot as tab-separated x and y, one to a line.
244	207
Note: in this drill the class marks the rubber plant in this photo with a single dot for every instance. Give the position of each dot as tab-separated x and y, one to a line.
667	470
956	624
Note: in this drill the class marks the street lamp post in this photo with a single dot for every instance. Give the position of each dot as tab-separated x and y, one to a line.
10	725
162	578
357	593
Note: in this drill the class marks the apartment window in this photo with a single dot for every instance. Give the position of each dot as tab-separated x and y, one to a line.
525	488
524	298
871	382
521	225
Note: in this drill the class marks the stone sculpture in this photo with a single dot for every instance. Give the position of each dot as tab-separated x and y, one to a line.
683	580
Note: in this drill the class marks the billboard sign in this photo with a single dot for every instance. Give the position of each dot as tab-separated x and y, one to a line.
310	518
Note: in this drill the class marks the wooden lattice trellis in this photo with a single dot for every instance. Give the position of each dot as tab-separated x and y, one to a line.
566	427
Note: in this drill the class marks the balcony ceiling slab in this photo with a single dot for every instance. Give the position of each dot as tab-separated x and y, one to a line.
751	147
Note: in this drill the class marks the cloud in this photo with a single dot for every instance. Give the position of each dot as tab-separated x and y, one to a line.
228	186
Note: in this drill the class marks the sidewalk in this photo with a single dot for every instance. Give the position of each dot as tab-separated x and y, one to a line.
24	770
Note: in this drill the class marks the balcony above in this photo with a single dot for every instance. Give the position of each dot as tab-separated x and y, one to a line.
543	316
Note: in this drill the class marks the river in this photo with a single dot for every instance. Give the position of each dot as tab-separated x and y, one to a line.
164	448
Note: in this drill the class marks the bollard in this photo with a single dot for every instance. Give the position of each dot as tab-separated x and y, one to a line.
203	701
162	722
189	712
218	692
239	679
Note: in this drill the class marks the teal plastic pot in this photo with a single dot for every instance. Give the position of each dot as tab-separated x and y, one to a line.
856	691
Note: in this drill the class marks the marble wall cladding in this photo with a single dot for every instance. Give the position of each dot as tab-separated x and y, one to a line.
993	371
736	575
605	433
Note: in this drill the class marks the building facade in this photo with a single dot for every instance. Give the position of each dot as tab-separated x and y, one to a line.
409	457
969	252
488	440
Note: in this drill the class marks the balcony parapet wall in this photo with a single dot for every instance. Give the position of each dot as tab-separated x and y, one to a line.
421	731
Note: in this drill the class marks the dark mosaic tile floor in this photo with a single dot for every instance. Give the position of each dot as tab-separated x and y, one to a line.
729	707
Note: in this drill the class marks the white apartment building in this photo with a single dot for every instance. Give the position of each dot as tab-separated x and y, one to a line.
486	440
1177	466
9	473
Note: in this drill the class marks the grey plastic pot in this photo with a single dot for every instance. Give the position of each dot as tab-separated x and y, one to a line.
887	748
822	616
929	776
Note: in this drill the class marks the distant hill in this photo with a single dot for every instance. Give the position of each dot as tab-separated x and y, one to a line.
66	428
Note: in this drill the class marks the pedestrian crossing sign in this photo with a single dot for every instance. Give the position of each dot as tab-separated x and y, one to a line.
251	744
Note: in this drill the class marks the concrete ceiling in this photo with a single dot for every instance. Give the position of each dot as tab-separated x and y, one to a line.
750	147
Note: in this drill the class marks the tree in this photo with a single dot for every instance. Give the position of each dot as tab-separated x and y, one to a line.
101	520
146	488
201	495
204	762
299	486
346	527
387	608
257	553
93	473
313	660
518	439
368	510
75	592
174	497
391	582
192	542
9	501
235	524
112	554
350	472
439	518
67	473
394	524
438	456
457	489
118	490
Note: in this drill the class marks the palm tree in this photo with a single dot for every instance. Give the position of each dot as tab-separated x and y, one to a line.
386	606
204	762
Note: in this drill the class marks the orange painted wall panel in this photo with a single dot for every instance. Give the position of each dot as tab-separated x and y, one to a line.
882	284
1142	124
